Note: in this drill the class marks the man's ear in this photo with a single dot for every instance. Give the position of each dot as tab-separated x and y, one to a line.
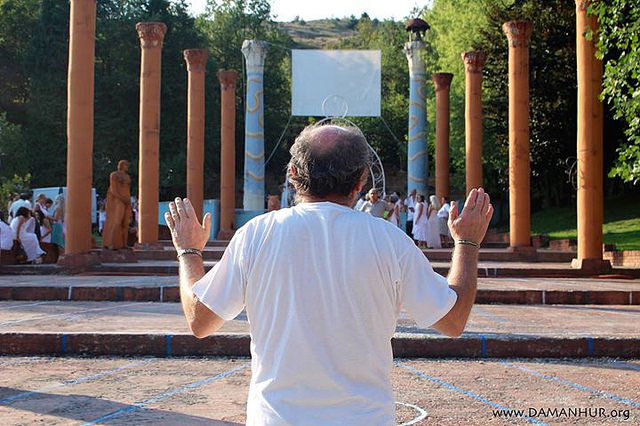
292	170
362	181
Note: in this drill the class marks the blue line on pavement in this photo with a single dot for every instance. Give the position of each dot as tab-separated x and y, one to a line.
165	395
488	315
573	385
168	338
484	345
63	344
590	342
464	392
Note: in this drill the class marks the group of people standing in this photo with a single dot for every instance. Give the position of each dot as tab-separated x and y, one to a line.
426	219
32	224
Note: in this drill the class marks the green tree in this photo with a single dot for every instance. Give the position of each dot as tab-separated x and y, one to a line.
619	45
455	28
17	19
226	24
552	95
13	148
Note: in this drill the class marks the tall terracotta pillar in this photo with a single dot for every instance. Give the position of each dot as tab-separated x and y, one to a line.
417	166
227	80
151	36
442	82
196	63
80	85
590	156
253	198
474	63
519	35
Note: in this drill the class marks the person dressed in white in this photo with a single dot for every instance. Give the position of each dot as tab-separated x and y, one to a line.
24	225
433	234
322	286
7	235
443	217
410	204
394	204
420	222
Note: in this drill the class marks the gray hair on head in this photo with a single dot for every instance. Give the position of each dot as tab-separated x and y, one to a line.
328	160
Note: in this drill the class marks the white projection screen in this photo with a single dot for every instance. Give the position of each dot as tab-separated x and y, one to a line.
335	83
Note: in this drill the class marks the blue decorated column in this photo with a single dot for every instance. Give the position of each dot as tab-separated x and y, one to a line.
254	188
417	149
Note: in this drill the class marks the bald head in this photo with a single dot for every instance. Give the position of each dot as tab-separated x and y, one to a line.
328	160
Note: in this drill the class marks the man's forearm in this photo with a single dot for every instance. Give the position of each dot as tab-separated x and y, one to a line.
463	279
201	319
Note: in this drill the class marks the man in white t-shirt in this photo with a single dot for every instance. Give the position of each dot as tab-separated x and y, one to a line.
322	286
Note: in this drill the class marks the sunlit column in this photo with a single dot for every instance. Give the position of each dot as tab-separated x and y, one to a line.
151	36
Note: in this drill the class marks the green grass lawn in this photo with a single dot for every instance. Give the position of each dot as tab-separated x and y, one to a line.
621	222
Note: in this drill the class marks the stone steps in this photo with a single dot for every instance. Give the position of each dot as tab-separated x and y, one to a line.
159	329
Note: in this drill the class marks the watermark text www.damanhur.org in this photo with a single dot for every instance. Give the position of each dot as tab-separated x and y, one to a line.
564	412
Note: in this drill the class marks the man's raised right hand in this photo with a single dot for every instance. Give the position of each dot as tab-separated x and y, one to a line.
472	223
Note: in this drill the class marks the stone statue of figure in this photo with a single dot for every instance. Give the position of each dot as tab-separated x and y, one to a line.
118	208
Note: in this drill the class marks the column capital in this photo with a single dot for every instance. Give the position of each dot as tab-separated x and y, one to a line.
442	80
254	52
583	5
196	59
474	61
413	50
151	34
518	32
227	78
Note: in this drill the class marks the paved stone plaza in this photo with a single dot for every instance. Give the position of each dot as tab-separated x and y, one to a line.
74	391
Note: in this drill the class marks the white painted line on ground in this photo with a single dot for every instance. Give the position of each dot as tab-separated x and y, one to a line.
465	392
20	361
422	414
166	395
573	385
12	322
22	306
74	381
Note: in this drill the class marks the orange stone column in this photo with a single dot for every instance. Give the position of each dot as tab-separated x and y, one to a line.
590	156
442	82
227	152
196	63
519	35
80	90
474	62
151	36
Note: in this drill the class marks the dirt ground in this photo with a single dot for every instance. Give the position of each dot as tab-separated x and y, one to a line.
186	391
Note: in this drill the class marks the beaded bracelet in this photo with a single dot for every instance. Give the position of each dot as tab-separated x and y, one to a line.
467	242
189	251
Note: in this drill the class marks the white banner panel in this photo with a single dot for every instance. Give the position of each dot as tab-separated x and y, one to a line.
335	83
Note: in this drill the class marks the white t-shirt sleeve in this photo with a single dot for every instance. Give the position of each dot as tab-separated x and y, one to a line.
424	293
222	289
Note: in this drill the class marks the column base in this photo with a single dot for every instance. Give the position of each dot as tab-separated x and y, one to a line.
225	234
592	266
123	255
78	262
149	246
